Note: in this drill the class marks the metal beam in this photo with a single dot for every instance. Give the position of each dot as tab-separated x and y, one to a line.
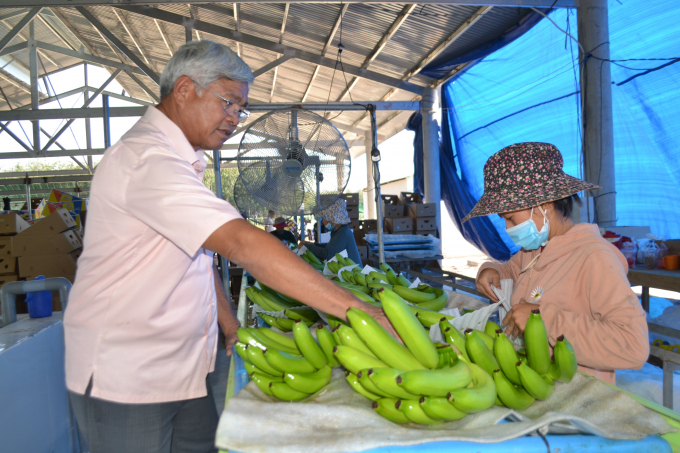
117	112
331	36
272	65
283	30
272	46
23	174
56	32
121	47
3	127
35	98
18	12
88	58
61	153
237	22
132	33
83	192
44	180
148	90
509	3
166	37
12	49
401	18
20	26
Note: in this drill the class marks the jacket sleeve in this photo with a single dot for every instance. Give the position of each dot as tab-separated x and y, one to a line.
337	244
614	335
508	269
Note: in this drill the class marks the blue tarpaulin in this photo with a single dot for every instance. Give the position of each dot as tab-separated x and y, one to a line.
529	91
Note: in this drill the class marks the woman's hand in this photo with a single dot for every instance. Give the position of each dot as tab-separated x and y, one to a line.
486	278
517	317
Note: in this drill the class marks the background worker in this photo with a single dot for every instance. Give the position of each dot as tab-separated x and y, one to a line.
280	231
336	219
576	278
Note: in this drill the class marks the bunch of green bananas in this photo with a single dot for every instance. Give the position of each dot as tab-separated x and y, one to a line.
312	260
335	266
415	382
520	380
270	300
289	369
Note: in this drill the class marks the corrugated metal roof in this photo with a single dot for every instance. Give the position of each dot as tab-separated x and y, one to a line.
308	28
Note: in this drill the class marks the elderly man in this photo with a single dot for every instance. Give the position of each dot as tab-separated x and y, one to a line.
141	326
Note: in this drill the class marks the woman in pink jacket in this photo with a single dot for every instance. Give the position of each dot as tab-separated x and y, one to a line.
574	275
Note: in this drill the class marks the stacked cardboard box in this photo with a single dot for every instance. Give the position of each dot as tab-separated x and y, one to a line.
396	220
50	247
424	215
10	225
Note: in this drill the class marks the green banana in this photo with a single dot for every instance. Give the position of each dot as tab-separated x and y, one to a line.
392	277
403	281
488	339
348	276
428	317
438	303
284	324
340	258
479	352
506	357
363	297
379	285
256	357
262	382
318	267
269	320
435	382
306	314
413	411
279	338
379	275
440	409
413	295
554	371
246	337
385	267
566	359
254	295
359	278
250	368
286	363
453	336
540	387
491	328
348	337
380	342
350	286
479	397
355	360
241	350
536	339
512	396
327	343
334	333
349	262
309	383
386	408
269	342
312	257
333	266
385	379
366	383
284	392
308	346
353	382
425	288
409	328
275	300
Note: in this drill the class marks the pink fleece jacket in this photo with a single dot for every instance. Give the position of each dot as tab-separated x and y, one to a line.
586	298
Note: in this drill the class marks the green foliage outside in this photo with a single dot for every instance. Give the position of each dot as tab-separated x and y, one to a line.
229	176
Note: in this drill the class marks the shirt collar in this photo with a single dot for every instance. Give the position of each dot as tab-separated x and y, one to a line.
177	139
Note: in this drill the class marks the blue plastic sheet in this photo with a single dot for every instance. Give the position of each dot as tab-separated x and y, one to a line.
529	91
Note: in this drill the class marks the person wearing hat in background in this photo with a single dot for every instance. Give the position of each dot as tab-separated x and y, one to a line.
269	221
281	233
336	219
576	278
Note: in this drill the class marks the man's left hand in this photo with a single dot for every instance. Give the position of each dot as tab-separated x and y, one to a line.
230	335
517	317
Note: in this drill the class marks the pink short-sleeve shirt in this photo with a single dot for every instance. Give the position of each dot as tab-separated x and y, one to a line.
142	317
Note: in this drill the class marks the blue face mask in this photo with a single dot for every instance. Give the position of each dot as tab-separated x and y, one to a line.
526	234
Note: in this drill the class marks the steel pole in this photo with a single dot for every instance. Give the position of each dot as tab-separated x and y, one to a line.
598	140
107	120
431	166
375	158
369	208
28	198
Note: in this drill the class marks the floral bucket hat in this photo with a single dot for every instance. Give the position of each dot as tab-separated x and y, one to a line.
336	213
525	175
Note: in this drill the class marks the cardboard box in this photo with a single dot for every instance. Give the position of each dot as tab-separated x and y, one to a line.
363	252
11	224
425	224
408	198
389	199
353	212
402	225
56	223
8	265
47	265
7	278
393	211
56	244
369	226
423	210
5	246
352	199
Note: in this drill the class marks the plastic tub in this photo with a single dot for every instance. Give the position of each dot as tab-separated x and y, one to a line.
39	303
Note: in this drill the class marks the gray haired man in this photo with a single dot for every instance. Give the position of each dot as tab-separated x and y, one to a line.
141	327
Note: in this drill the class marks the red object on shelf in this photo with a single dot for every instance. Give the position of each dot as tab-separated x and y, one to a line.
613	238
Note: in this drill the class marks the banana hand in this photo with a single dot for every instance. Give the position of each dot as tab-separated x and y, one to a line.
536	339
435	382
481	396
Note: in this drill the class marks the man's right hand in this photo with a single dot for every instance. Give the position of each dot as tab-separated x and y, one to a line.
485	279
379	315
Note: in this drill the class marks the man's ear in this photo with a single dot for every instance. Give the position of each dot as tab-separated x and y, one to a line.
182	90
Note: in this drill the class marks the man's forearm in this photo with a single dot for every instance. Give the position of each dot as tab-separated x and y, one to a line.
272	263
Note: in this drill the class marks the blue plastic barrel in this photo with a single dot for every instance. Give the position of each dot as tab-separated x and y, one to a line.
39	303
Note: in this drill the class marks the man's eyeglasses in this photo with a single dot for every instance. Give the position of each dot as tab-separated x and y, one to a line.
231	108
